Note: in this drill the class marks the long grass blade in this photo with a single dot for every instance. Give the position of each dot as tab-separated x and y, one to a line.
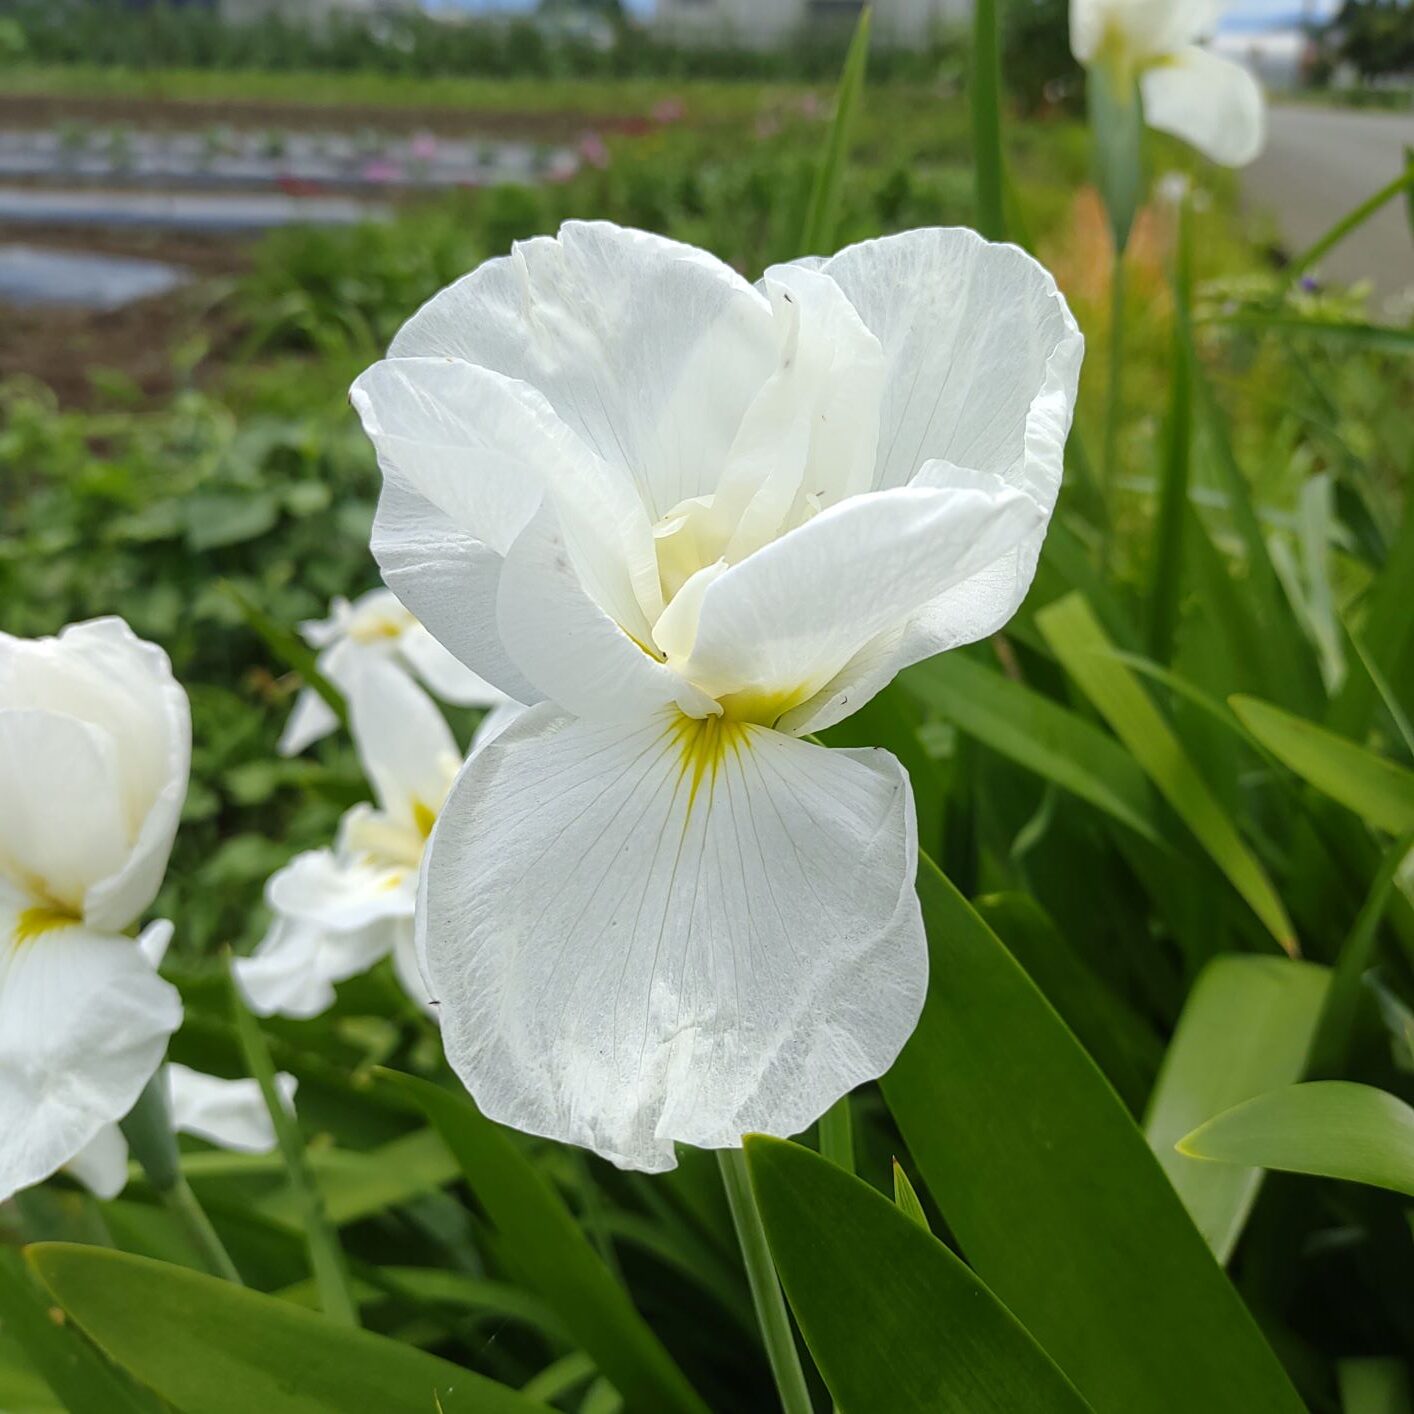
817	238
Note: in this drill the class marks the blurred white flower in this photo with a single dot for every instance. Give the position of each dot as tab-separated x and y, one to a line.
376	627
338	911
230	1114
694	520
95	746
1210	102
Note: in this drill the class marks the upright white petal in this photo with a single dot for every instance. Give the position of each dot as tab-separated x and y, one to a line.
1143	28
227	1113
84	1022
1210	102
154	940
982	356
310	720
647	349
564	641
100	675
672	931
406	748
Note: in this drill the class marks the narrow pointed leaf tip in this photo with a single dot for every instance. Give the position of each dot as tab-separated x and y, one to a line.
894	1320
1326	1128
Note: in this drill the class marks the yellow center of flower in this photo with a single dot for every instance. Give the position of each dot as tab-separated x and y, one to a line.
703	744
35	922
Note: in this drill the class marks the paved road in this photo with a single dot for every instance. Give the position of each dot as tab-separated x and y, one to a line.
1321	162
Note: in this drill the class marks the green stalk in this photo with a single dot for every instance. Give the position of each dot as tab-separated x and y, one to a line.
818	235
326	1257
148	1130
837	1134
1115	387
986	103
1167	559
766	1294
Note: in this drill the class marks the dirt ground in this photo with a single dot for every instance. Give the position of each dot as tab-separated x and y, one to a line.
59	346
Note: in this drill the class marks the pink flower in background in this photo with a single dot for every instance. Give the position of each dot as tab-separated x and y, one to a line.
811	106
669	110
592	150
423	147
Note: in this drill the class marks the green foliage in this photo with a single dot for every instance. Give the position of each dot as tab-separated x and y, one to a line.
211	1347
823	1227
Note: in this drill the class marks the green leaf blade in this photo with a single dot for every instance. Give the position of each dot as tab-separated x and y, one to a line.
1325	1128
1247	1027
1379	791
1075	636
1037	1167
893	1319
554	1255
210	1347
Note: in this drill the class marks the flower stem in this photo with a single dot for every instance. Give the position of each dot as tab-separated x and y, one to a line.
148	1130
1114	388
766	1294
837	1134
326	1257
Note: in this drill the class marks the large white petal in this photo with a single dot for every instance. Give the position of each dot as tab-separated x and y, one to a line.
1208	101
101	673
84	1022
671	931
649	350
981	354
404	744
228	1113
781	624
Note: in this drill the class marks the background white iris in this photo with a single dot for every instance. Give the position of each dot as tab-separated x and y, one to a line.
1208	101
694	520
95	745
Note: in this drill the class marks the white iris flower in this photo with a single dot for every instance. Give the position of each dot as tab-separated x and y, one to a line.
1212	103
338	911
695	520
95	746
375	627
